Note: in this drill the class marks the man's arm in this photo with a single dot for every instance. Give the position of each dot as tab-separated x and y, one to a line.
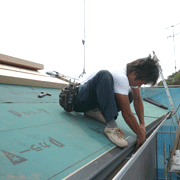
139	108
129	117
138	105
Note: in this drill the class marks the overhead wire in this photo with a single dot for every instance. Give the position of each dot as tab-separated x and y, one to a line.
158	117
176	174
147	116
176	109
165	67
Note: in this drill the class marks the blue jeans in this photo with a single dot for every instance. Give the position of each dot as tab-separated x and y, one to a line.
98	92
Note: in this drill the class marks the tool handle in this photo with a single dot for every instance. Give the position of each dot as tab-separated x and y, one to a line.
41	95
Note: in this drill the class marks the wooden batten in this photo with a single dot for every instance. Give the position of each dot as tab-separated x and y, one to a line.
17	62
13	71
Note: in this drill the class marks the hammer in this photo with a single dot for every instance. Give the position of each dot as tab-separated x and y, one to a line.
43	94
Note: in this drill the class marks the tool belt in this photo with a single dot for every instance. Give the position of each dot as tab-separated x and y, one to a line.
67	96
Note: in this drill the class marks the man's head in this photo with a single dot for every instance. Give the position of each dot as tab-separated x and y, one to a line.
145	69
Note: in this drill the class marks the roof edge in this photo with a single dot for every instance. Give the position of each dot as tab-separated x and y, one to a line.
13	61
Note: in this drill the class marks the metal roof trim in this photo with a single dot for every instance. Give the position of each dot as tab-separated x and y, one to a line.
140	150
106	163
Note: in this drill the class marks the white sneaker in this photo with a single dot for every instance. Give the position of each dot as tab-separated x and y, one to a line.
96	115
116	136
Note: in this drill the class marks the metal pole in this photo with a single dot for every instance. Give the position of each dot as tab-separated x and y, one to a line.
174	49
84	39
157	176
165	169
178	176
169	157
173	41
167	90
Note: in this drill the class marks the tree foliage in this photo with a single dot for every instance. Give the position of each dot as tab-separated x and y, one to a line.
173	79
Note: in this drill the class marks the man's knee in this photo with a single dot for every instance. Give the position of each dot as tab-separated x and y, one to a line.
105	75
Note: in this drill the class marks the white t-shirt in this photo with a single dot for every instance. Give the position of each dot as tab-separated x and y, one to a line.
121	83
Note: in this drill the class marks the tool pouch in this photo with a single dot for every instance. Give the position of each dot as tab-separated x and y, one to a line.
67	96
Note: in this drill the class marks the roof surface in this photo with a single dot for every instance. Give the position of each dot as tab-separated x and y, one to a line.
39	140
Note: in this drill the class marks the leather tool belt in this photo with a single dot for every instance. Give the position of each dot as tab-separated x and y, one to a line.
67	96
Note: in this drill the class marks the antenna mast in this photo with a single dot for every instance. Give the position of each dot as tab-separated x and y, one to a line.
173	41
83	42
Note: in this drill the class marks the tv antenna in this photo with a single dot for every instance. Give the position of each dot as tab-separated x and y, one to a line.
83	42
173	40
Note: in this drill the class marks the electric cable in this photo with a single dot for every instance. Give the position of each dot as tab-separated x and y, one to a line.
147	116
158	117
176	109
176	174
165	67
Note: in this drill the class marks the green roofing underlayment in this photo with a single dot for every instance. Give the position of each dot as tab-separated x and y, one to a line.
39	140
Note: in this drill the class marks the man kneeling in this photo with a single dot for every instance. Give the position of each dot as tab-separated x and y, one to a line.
104	93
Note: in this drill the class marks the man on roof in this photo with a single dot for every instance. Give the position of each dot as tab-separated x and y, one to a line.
106	92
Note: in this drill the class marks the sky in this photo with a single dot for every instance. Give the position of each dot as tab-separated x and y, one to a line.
50	32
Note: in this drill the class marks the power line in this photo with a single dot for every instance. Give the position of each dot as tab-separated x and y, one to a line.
165	67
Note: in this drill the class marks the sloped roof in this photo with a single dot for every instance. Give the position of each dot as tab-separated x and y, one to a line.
39	139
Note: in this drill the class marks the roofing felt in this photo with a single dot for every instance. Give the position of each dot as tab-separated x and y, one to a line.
39	140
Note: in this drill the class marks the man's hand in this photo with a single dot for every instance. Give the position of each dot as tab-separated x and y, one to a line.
143	129
141	139
130	119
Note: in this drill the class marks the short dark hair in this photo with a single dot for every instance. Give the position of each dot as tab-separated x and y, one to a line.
146	69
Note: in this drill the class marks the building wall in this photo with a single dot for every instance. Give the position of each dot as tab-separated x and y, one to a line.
144	167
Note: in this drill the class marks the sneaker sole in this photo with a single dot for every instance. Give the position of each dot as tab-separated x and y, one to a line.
113	142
